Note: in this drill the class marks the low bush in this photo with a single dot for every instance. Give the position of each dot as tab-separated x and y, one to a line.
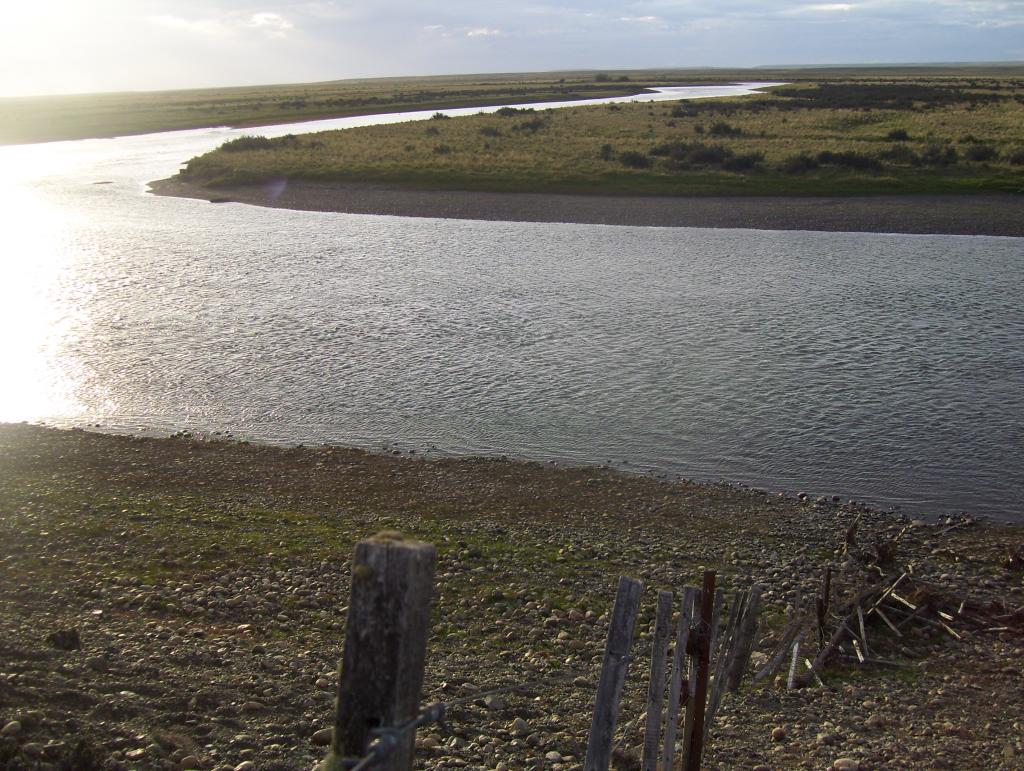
850	159
634	160
798	164
900	154
723	129
490	131
744	162
939	155
440	116
245	143
1016	157
509	112
981	153
607	152
443	149
898	135
533	126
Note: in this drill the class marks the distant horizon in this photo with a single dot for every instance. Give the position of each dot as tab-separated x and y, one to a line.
67	47
696	69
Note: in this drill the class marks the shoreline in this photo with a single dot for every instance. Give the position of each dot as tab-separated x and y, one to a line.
978	215
229	564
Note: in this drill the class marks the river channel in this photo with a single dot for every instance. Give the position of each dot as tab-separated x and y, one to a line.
885	368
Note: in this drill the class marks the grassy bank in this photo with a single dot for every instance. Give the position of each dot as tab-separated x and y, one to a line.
49	118
844	136
207	581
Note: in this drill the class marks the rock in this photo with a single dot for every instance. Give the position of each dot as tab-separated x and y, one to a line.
846	764
65	639
13	728
519	727
136	754
322	737
494	702
778	734
189	761
875	722
253	706
826	739
246	765
553	757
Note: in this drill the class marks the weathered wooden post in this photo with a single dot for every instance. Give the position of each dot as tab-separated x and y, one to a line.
695	741
613	674
679	671
656	687
382	666
745	633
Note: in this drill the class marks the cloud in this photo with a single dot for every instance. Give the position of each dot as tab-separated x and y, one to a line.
483	32
639	19
273	24
270	24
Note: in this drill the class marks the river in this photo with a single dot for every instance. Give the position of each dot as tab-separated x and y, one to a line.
885	368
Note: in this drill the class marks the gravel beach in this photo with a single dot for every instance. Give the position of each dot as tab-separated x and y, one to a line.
993	215
180	603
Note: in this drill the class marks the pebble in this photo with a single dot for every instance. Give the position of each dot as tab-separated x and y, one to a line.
246	765
322	737
13	728
846	764
189	761
519	727
778	734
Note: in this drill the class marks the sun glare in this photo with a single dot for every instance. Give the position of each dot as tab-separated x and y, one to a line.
33	386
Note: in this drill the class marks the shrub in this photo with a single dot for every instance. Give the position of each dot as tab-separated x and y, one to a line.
244	143
1017	157
634	160
440	116
530	125
723	129
900	154
443	149
432	131
898	135
607	152
744	162
798	164
490	131
939	155
602	77
850	159
981	153
508	112
708	154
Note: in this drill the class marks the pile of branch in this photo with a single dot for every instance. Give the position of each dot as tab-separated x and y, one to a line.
878	615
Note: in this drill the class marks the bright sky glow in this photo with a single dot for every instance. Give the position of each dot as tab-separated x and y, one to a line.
67	46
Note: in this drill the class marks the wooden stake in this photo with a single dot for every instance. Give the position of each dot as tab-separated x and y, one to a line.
679	658
745	633
695	747
385	647
613	674
656	687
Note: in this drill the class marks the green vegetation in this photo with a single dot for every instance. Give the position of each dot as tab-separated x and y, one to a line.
872	135
49	118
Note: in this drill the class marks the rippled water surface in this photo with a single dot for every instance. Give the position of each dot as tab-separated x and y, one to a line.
888	368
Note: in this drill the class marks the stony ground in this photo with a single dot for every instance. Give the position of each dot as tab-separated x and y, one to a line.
206	583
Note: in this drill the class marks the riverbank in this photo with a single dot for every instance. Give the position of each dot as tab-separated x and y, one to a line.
206	581
993	215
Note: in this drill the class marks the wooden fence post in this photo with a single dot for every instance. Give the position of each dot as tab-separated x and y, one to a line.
745	634
675	692
695	748
385	647
656	688
613	674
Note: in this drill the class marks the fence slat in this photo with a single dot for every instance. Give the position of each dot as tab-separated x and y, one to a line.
695	746
385	647
613	674
656	687
745	638
679	659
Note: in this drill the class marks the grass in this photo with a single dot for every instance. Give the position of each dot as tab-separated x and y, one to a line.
50	118
902	134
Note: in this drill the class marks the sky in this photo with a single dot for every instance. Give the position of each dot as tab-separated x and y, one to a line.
75	46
